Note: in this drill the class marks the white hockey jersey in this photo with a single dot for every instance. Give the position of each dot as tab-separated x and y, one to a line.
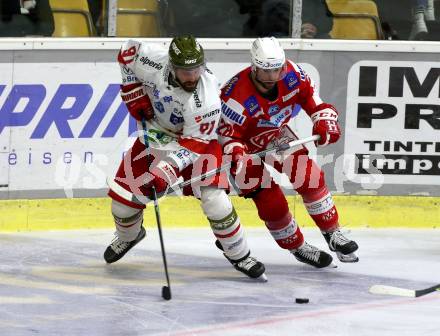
186	119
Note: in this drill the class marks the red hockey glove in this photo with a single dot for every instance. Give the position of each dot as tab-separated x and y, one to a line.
325	124
138	103
164	175
238	156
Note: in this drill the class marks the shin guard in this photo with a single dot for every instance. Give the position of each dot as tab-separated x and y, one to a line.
320	206
274	211
128	221
224	222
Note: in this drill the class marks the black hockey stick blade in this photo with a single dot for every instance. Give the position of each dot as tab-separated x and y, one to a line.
398	291
166	293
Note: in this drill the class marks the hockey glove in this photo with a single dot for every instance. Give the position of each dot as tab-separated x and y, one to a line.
138	103
325	124
163	175
237	153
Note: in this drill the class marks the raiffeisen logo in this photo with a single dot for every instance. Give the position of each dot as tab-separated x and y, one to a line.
63	110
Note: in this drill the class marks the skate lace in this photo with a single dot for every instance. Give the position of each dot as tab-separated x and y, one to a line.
337	238
247	264
310	252
118	245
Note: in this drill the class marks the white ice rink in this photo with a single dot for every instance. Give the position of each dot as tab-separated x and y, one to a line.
56	283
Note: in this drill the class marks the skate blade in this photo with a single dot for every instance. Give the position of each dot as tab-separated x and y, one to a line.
332	265
261	278
347	258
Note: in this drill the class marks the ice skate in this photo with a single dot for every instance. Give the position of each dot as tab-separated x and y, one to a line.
247	265
343	246
313	256
118	248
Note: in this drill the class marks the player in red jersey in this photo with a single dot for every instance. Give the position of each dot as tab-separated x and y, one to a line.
257	104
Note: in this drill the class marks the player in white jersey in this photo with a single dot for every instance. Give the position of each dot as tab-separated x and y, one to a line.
179	98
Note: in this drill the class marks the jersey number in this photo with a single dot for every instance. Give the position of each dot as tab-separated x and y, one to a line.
207	128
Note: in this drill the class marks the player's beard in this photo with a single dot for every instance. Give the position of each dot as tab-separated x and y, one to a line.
265	85
189	86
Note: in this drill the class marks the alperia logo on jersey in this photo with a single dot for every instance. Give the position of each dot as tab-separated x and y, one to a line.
146	61
197	99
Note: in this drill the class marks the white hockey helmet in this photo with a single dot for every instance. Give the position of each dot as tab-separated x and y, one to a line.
267	53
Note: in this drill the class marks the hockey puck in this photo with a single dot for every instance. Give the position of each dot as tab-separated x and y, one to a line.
302	300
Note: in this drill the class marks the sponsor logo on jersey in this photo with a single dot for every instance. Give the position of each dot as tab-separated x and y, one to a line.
129	79
129	75
291	80
211	113
127	71
276	120
265	123
146	61
273	110
198	119
177	112
279	118
168	99
158	106
232	115
230	86
302	74
175	119
290	95
197	99
251	105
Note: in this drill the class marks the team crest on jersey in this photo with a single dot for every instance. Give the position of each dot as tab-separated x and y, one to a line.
273	110
262	139
127	56
251	105
291	80
230	85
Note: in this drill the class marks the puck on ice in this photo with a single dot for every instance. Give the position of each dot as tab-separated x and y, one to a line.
302	300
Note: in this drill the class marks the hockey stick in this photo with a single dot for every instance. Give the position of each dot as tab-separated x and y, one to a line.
166	290
397	291
142	199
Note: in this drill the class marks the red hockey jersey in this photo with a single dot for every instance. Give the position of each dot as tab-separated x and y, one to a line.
249	118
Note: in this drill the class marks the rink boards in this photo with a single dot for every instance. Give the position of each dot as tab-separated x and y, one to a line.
178	212
63	129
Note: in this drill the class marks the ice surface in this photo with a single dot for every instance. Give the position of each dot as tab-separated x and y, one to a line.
56	283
